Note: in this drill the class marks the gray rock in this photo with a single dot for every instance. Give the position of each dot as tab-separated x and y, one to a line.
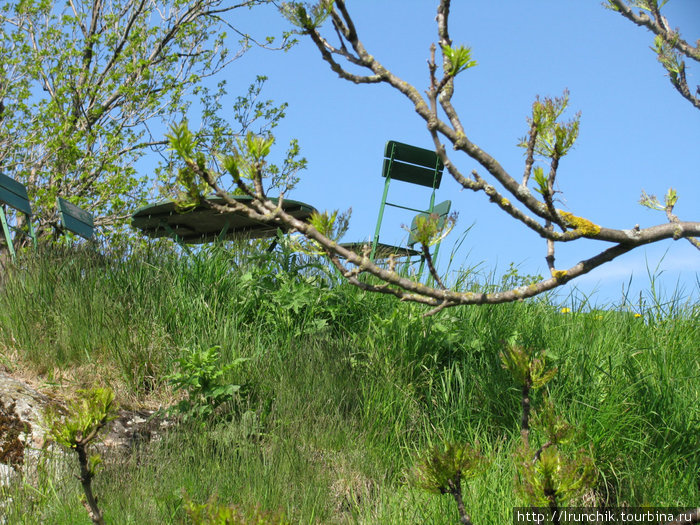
23	436
21	433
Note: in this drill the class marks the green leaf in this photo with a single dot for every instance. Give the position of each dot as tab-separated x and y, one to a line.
671	198
459	59
542	180
447	465
307	16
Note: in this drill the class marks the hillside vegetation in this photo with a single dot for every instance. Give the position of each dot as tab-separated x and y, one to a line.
341	392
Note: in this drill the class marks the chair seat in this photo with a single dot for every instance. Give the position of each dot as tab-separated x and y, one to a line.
383	251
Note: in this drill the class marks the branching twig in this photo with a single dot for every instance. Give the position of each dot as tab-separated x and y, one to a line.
455	488
670	43
673	218
431	267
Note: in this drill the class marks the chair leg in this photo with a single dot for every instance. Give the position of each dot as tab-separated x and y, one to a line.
6	232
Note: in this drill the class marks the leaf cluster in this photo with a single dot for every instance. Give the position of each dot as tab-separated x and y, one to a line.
555	429
330	224
553	137
246	163
652	201
191	184
526	365
554	477
86	416
459	59
445	466
669	57
306	16
202	377
430	229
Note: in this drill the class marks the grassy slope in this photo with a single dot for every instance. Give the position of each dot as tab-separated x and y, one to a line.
347	388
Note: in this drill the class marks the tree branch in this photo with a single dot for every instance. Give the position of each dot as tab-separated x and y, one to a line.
658	26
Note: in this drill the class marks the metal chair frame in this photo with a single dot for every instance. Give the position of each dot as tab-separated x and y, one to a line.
412	165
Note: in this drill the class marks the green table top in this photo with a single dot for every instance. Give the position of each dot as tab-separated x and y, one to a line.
205	224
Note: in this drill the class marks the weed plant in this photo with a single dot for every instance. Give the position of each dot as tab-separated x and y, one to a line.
344	389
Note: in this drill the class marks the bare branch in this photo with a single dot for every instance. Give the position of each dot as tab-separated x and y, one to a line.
529	155
431	267
666	45
407	290
327	52
658	26
673	218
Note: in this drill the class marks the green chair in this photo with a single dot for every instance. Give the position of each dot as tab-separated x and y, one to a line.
411	165
14	195
75	219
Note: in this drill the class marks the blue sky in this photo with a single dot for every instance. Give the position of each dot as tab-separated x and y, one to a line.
636	133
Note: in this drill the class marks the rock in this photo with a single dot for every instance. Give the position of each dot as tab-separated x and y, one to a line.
21	433
23	437
132	428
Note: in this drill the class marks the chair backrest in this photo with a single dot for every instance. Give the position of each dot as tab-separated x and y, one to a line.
14	195
442	210
75	219
412	164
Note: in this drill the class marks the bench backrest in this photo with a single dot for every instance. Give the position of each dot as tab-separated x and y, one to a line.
75	219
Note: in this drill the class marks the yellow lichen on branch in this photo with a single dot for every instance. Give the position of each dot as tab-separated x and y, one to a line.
558	274
582	225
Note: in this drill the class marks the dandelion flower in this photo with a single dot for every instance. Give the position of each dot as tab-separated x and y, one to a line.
637	315
566	310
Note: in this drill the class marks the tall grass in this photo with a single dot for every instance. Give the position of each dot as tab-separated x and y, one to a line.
344	389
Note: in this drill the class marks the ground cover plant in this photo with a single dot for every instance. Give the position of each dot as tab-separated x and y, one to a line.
343	394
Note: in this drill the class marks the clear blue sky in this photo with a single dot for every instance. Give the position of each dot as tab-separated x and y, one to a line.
636	133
